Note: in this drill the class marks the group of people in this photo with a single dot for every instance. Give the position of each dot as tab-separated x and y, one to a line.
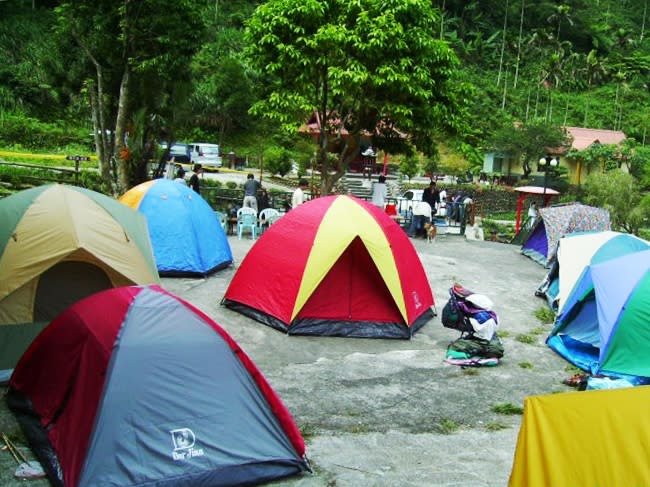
434	203
255	195
194	178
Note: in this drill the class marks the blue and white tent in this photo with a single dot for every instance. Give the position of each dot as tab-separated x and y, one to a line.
604	326
579	250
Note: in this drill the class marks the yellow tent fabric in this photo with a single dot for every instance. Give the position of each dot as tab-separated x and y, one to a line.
62	243
584	439
350	220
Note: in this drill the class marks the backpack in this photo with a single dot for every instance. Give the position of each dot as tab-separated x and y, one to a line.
452	316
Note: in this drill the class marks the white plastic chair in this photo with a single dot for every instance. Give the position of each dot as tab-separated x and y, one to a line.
246	218
267	217
223	220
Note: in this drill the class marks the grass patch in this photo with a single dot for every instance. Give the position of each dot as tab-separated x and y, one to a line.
527	339
538	330
503	215
504	334
572	369
448	426
357	428
308	431
495	426
544	314
508	409
526	365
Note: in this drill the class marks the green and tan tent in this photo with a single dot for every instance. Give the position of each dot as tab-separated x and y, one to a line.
59	244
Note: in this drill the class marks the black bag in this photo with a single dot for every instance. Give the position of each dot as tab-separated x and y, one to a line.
452	317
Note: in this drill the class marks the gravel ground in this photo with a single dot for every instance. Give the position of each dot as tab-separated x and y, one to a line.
391	412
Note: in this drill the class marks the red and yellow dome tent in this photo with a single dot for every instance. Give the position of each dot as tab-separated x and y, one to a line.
335	266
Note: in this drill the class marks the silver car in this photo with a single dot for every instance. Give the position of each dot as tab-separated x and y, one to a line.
206	154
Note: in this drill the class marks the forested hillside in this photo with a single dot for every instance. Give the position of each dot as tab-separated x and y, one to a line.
184	67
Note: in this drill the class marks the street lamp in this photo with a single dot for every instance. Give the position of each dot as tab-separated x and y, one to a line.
547	163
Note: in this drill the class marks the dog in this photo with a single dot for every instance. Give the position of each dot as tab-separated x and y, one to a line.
430	231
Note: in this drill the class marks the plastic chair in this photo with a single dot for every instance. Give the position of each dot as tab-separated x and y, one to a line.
246	218
223	220
267	217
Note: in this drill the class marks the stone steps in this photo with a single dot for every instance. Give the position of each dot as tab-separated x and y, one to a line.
359	186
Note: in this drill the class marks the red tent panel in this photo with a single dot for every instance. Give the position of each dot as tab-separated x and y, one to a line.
353	291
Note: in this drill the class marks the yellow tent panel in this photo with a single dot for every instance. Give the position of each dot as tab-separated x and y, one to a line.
584	439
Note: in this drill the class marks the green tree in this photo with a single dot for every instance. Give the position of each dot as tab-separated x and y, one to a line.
619	193
136	54
409	166
528	141
371	66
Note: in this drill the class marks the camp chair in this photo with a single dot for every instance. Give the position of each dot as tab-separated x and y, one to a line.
246	218
223	220
267	217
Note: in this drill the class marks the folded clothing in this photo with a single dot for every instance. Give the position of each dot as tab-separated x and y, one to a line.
473	361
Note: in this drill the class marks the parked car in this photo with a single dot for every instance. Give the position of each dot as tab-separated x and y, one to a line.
406	199
206	154
181	153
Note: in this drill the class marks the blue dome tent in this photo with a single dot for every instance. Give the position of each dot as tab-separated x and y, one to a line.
186	236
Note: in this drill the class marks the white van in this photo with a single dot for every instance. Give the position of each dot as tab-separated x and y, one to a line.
206	154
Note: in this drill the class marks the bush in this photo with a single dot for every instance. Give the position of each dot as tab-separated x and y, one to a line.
277	160
17	130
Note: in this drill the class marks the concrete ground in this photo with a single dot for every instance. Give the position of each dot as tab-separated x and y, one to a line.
391	412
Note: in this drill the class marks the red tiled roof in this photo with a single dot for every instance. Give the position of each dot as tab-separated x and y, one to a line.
583	137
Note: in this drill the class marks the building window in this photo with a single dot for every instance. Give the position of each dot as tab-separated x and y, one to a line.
497	164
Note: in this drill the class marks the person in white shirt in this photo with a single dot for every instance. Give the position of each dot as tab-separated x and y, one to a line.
180	176
298	197
379	192
421	215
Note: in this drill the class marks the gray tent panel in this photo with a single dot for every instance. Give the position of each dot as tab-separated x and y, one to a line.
180	408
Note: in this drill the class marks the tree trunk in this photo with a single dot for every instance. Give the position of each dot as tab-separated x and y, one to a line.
521	27
505	90
525	165
121	150
503	43
101	136
645	11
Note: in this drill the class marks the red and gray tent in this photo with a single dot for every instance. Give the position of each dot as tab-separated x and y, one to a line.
133	386
335	266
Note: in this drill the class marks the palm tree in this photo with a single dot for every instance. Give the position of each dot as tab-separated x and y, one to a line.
561	14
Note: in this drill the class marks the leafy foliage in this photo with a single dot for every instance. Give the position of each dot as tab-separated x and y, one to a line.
364	67
277	160
528	141
619	193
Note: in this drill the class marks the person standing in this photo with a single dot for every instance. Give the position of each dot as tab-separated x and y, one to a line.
180	176
379	191
250	192
298	197
263	200
432	196
194	179
421	215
